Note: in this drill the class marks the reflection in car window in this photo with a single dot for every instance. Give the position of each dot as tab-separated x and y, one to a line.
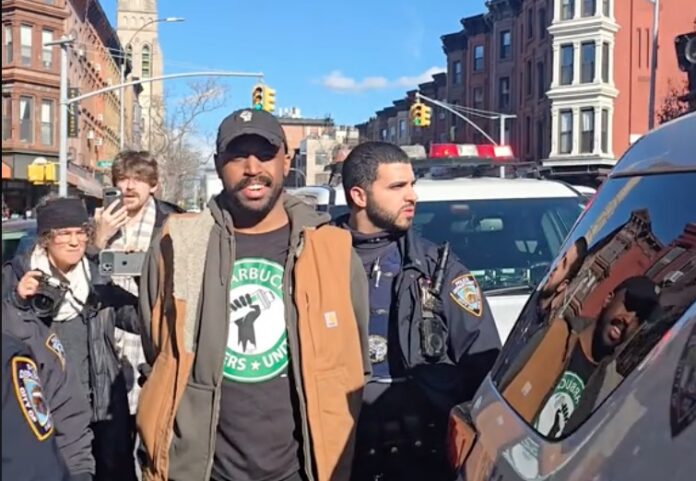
500	241
624	279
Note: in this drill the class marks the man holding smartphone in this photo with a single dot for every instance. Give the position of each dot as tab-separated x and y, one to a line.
127	224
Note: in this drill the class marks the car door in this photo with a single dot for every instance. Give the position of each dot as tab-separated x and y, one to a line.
597	380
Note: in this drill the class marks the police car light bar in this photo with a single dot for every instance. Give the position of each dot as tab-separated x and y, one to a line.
483	151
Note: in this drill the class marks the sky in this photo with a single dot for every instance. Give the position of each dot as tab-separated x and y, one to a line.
344	59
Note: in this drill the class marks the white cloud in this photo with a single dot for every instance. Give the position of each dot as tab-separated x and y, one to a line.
342	83
337	81
412	82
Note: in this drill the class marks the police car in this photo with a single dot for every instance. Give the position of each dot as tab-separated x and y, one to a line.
507	231
597	381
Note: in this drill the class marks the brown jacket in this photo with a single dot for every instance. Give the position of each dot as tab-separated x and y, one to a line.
184	341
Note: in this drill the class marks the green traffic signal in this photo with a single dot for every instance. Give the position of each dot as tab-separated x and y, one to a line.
416	122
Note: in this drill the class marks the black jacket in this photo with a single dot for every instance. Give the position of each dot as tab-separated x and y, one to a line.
106	309
68	404
472	338
29	449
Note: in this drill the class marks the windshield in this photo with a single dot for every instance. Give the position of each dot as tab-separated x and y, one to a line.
507	244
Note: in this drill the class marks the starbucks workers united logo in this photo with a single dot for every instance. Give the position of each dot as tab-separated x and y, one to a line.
257	345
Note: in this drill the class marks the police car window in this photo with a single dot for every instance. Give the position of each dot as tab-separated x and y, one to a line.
501	241
625	277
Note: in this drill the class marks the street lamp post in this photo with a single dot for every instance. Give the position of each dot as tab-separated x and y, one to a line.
63	43
124	59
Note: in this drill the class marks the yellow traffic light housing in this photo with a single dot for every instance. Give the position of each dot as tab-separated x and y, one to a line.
263	98
42	173
269	99
426	114
420	114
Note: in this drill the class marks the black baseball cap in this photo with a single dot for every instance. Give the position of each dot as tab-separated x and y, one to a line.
249	122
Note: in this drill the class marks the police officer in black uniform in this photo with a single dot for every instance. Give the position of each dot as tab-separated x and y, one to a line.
432	336
29	449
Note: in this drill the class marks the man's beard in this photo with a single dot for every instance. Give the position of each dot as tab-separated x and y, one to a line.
384	220
255	212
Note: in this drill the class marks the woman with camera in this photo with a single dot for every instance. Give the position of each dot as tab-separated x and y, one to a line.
60	307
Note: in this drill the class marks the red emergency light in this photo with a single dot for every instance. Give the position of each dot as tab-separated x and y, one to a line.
481	151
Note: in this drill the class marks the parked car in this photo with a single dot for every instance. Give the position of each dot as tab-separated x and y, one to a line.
597	380
18	236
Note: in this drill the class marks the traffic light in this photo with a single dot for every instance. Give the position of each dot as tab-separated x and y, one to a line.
42	173
263	98
257	97
420	114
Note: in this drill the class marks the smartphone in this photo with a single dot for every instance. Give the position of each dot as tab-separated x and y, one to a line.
111	195
119	263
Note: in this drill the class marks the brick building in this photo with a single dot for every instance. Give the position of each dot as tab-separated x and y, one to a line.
574	73
30	94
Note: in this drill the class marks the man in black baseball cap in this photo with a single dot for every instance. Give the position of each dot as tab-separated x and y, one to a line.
251	159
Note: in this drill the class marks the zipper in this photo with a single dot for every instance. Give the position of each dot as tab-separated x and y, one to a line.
293	340
217	394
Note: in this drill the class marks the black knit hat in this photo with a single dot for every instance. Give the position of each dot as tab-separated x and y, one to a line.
61	213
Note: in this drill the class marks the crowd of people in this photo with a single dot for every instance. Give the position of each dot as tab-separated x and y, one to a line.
262	340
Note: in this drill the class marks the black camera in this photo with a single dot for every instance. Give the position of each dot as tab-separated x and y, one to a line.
49	296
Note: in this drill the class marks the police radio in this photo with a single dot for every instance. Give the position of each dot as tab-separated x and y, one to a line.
432	332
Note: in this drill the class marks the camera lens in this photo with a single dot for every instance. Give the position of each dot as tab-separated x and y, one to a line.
43	305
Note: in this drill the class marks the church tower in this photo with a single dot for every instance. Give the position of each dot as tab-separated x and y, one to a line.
137	30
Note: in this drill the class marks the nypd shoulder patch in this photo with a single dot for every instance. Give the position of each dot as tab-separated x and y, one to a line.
466	293
56	347
30	396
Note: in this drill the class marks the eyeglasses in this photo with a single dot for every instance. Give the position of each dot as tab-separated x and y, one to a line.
64	236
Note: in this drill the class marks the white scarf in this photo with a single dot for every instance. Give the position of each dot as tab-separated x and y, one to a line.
79	279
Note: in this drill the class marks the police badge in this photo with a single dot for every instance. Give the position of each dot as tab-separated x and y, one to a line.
378	348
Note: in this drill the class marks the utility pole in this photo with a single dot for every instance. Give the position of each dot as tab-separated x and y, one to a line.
503	118
63	43
653	64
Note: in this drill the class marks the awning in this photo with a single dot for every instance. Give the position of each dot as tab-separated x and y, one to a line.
84	181
6	171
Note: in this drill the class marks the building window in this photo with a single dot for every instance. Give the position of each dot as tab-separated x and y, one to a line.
539	139
530	23
383	134
478	98
146	62
605	62
392	133
566	131
8	43
606	8
504	93
529	78
6	117
542	23
541	80
402	129
25	33
457	72
505	44
46	52
589	8
567	60
567	9
26	120
588	62
588	128
605	131
129	53
47	122
478	58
